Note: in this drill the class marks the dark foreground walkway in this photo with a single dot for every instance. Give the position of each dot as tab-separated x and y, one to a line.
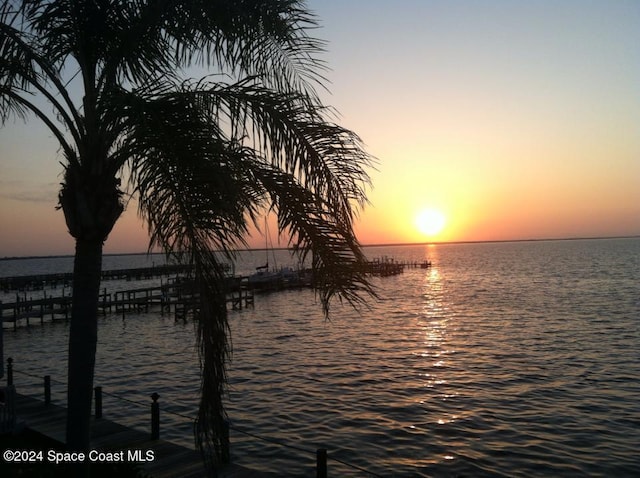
170	460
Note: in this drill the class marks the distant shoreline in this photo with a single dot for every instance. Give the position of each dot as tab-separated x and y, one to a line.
427	243
498	241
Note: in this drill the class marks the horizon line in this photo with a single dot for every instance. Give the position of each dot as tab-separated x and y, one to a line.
390	244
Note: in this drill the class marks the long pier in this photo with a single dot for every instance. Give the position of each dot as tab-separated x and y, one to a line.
386	266
40	281
174	295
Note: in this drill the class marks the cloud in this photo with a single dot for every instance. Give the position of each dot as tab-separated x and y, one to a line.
23	191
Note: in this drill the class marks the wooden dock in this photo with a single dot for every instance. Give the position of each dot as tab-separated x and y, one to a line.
168	297
176	294
386	266
40	281
169	460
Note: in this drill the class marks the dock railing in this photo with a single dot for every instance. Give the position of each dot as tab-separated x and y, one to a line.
322	455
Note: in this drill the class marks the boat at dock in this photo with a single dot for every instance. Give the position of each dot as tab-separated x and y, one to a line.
283	278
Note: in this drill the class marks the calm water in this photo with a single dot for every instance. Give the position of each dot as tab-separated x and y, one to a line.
510	359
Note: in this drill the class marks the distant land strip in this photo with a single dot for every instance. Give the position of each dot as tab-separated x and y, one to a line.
394	244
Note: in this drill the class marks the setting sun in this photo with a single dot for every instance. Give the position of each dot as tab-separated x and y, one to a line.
430	222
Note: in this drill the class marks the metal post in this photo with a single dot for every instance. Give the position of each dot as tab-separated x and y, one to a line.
47	389
98	401
42	304
9	371
226	447
321	463
1	343
155	417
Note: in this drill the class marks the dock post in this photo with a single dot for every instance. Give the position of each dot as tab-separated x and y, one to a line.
321	463
104	301
98	401
226	447
52	303
47	389
26	310
1	341
9	371
155	417
66	306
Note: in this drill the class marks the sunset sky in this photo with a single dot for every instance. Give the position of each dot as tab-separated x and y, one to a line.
514	120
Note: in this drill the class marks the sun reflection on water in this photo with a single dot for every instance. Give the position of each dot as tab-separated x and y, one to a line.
435	347
433	319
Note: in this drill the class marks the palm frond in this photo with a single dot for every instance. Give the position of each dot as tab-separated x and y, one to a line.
26	70
188	174
267	38
315	228
200	177
195	192
271	145
293	133
214	346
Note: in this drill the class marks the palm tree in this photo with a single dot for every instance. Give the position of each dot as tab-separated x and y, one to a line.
203	158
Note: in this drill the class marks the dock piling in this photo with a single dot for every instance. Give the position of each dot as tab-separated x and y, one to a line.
321	463
98	401
47	389
155	417
9	371
226	446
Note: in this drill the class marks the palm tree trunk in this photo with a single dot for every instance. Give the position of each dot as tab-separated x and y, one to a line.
83	338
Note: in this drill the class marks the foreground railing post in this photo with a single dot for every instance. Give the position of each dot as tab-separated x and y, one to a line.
9	371
47	389
1	342
98	401
321	463
226	447
155	417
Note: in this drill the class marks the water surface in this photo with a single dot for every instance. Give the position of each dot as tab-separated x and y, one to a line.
505	359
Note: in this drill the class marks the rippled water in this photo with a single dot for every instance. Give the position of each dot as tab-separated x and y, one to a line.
510	359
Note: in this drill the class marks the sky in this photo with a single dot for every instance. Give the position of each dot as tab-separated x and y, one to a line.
513	120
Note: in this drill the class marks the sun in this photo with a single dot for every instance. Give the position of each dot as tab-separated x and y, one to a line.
430	221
